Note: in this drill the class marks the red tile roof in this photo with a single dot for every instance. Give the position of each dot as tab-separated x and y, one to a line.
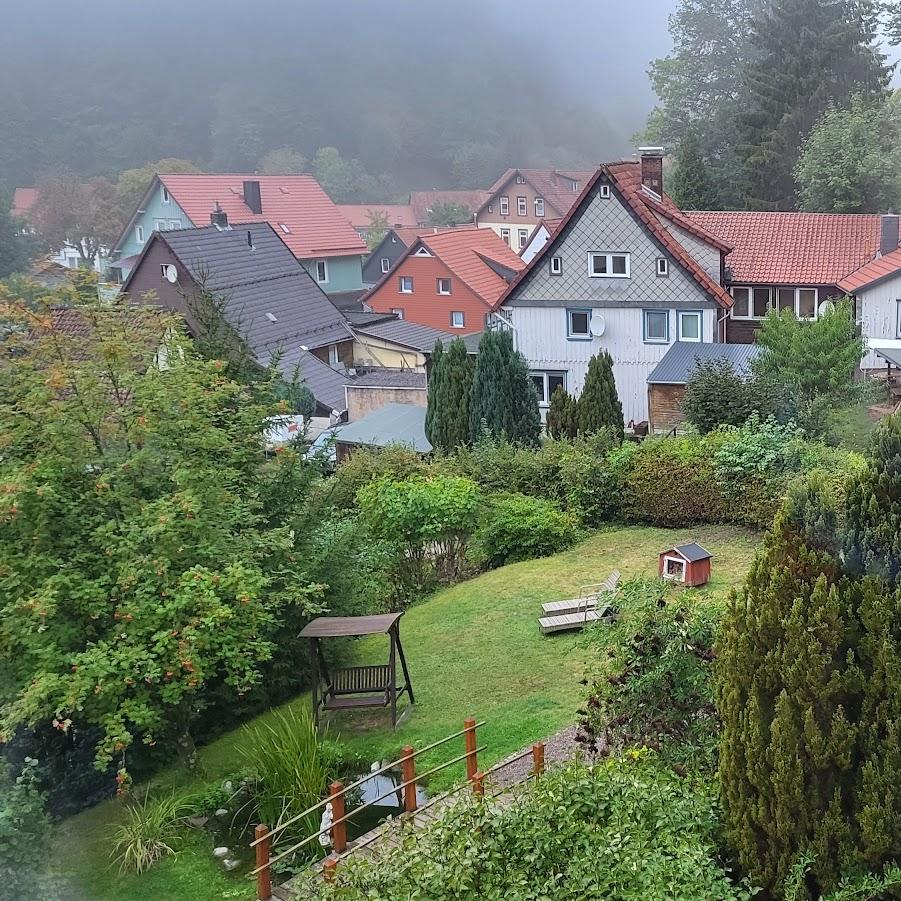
793	248
553	185
622	176
315	225
423	201
464	251
874	271
360	214
409	235
23	200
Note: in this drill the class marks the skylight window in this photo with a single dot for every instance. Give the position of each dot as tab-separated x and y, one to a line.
272	317
284	228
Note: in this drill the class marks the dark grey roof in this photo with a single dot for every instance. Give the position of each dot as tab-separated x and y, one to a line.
390	378
410	334
272	300
391	424
692	552
679	361
327	384
472	342
366	317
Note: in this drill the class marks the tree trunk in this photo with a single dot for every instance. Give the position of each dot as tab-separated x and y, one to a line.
184	741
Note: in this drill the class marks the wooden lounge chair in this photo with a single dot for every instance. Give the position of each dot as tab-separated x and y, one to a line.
589	596
567	622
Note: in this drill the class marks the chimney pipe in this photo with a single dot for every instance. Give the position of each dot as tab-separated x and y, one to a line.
888	234
652	169
252	196
219	217
250	240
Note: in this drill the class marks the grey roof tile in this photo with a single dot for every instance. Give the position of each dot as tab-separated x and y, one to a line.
410	334
678	363
391	424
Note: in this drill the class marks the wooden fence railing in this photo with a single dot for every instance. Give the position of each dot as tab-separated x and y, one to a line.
263	836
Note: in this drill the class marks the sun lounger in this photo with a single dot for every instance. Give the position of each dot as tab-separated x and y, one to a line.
567	622
589	596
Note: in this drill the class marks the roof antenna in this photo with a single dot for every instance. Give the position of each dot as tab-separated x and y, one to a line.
250	240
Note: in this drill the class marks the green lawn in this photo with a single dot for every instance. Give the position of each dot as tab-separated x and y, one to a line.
473	650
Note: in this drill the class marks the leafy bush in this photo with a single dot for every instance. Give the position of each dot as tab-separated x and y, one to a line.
428	520
147	833
654	684
717	395
515	527
24	830
627	829
367	465
562	415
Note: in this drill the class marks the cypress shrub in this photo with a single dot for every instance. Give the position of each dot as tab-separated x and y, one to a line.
562	415
599	406
447	412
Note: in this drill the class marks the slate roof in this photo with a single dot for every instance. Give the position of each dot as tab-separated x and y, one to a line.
273	300
410	334
391	424
553	185
793	248
872	272
359	214
692	551
625	178
678	363
327	384
389	378
316	227
423	201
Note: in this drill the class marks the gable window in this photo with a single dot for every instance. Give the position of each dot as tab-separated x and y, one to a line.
505	236
393	238
490	207
159	225
521	208
556	267
174	224
333	359
575	187
139	234
386	264
539	207
520	179
662	266
546	383
321	271
578	324
457	319
444	286
690	325
422	252
655	326
505	206
164	194
405	284
523	237
608	265
398	311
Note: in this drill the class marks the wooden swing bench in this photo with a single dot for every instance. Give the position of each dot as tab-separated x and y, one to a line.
354	687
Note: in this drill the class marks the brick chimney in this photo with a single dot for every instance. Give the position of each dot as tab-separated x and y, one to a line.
252	196
219	217
652	168
888	234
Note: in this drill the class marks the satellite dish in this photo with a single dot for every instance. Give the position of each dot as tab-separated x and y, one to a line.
171	274
826	306
598	325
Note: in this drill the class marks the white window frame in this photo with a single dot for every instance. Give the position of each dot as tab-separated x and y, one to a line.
139	234
323	279
504	207
556	266
505	237
422	252
455	322
400	312
401	281
644	327
438	286
173	224
796	302
683	314
575	187
490	207
165	196
673	577
284	227
539	207
334	358
662	267
545	377
573	335
609	255
520	179
523	237
522	205
71	262
898	318
385	263
604	192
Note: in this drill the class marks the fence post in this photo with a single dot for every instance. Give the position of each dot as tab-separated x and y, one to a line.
339	830
478	785
472	765
538	758
264	877
408	773
329	868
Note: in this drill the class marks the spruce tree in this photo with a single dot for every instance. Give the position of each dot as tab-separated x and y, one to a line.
690	184
562	415
503	402
447	413
599	406
806	55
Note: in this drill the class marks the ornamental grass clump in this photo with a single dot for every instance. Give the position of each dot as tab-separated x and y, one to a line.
148	832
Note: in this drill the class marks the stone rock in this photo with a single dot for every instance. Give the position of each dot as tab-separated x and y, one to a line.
221	853
221	812
198	822
231	863
228	788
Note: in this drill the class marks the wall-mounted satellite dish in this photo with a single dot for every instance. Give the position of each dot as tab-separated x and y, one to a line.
171	274
826	306
598	325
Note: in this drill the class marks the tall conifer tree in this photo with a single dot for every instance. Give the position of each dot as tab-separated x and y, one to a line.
450	380
599	406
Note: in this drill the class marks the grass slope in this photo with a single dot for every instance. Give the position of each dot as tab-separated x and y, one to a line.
474	650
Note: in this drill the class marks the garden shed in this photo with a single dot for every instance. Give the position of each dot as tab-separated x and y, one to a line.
688	564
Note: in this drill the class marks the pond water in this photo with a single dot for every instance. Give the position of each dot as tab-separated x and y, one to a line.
391	805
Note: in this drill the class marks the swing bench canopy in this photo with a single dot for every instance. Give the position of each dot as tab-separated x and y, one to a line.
357	686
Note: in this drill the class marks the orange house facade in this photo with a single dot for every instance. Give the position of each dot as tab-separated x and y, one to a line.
448	281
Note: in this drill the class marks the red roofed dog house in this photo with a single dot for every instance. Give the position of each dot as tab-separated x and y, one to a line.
688	564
